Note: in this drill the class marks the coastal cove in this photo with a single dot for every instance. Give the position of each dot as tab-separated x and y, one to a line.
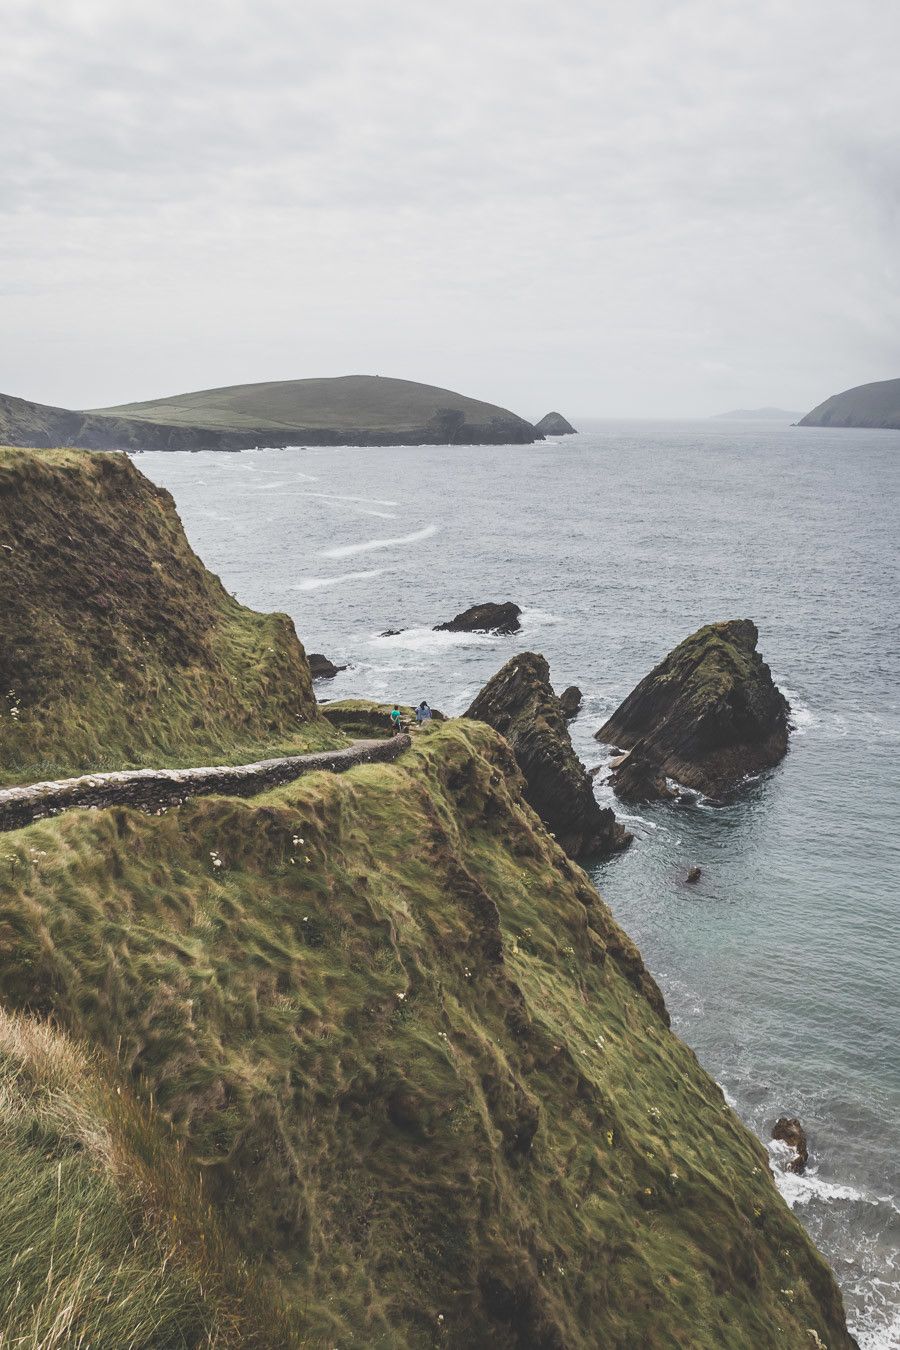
780	967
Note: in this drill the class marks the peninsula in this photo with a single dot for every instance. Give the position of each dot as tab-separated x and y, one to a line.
345	410
868	405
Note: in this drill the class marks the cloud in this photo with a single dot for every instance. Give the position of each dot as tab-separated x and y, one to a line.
583	205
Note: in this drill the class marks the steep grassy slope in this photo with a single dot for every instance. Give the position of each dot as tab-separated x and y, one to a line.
868	405
349	402
119	648
107	1239
418	1062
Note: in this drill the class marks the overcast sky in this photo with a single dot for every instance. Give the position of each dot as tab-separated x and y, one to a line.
648	207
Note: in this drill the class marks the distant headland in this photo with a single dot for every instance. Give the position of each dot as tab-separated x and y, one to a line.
756	415
867	405
346	410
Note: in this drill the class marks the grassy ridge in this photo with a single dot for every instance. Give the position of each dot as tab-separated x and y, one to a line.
119	648
417	1060
363	402
107	1238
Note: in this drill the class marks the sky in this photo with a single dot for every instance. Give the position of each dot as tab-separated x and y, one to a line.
650	208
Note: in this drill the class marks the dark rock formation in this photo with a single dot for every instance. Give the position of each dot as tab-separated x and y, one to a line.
554	424
790	1131
868	405
321	668
488	618
570	699
706	716
519	702
693	876
391	632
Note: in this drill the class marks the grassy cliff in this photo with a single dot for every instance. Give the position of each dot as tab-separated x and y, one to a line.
425	1075
119	648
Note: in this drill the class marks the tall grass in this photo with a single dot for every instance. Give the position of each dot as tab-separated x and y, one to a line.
106	1238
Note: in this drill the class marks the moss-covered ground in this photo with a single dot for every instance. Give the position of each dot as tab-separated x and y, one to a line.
426	1076
119	649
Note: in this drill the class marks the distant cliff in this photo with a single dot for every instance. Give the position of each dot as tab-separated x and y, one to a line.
868	405
348	410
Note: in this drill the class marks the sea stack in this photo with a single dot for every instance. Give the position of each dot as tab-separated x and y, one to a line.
487	618
519	702
554	424
707	716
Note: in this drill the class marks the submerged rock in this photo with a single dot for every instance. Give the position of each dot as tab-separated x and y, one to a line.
519	702
570	699
487	618
554	424
321	668
693	876
790	1131
707	716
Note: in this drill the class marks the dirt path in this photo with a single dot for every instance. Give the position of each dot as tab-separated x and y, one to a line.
153	789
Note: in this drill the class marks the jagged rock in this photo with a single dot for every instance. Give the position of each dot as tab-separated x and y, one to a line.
487	618
571	701
519	702
693	876
391	632
707	716
321	668
554	424
790	1131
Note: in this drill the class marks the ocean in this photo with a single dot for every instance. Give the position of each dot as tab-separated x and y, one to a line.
781	967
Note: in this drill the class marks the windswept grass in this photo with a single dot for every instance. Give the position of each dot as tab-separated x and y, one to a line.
107	1239
425	1074
119	649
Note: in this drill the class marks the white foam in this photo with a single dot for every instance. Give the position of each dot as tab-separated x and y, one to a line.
317	583
540	617
349	550
426	639
346	497
879	1338
802	716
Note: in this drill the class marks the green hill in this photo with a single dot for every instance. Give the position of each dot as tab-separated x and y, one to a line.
347	410
868	405
119	648
348	404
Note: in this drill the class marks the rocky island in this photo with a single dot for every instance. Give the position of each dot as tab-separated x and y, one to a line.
360	1059
345	410
867	405
486	618
554	424
519	702
707	716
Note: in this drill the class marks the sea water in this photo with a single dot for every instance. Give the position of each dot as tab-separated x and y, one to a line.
781	967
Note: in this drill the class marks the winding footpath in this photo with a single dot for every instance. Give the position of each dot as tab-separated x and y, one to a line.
154	789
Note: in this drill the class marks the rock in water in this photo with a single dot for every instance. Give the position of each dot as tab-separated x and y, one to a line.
707	716
519	702
693	876
571	700
321	668
488	618
790	1131
554	424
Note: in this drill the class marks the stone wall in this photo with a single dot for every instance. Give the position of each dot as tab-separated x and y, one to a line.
153	789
